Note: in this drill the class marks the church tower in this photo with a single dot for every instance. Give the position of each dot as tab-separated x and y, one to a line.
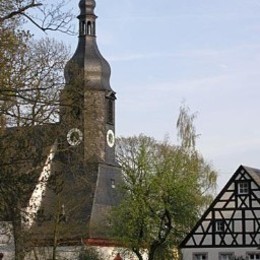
68	170
88	115
88	97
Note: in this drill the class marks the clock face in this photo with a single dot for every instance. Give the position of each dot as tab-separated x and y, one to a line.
110	138
74	136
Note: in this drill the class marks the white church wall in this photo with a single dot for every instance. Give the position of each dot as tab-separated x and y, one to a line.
43	253
109	253
6	240
63	252
72	253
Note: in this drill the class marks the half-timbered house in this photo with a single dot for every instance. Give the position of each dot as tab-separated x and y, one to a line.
230	227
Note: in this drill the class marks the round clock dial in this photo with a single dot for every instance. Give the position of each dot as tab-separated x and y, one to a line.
110	138
74	136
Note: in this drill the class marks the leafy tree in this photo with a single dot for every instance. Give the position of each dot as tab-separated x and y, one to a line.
164	190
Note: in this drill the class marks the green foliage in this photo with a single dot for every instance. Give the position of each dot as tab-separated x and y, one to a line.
165	188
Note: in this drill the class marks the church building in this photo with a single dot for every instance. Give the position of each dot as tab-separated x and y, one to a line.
71	171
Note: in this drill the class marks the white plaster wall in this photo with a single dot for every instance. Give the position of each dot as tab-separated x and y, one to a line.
6	240
213	253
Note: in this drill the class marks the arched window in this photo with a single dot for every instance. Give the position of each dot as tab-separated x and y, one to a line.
82	28
89	28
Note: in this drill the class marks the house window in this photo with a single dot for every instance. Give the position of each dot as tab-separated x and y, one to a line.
253	256
200	256
242	188
219	226
225	256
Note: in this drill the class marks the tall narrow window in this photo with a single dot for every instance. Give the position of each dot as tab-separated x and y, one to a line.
219	226
89	31
113	184
110	107
40	216
110	111
62	215
82	28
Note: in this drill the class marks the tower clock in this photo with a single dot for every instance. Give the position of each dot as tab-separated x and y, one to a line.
88	112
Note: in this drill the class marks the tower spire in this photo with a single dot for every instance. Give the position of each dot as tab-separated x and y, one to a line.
88	109
87	18
87	7
87	57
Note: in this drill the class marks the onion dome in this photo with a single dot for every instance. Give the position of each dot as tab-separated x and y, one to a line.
87	7
87	57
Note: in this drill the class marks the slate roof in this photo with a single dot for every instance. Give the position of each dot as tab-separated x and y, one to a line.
77	193
23	153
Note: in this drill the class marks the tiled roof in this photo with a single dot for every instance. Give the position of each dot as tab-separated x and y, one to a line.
254	173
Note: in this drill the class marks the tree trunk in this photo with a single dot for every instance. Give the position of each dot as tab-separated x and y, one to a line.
138	254
18	234
55	240
151	252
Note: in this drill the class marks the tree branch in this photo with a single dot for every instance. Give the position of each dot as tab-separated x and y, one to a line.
20	11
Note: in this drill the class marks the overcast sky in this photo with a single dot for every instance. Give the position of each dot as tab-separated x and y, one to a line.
203	52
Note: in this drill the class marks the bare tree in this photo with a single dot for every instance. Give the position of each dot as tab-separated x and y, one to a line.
31	95
46	17
15	45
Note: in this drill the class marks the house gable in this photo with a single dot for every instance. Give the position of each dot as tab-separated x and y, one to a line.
232	220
